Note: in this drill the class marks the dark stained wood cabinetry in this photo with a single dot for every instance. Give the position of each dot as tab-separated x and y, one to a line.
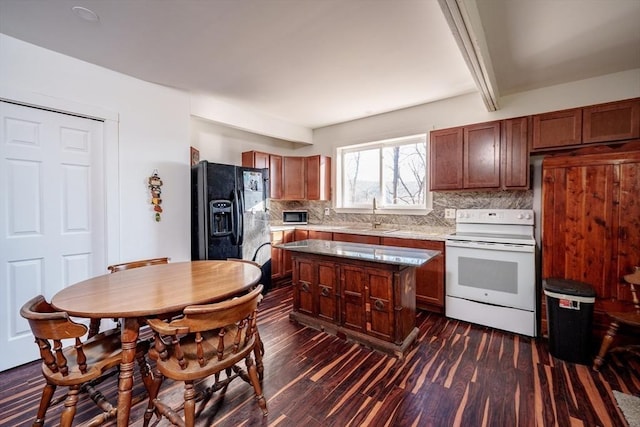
320	235
318	177
429	277
316	291
515	153
293	178
356	238
257	159
609	122
557	129
481	156
445	165
591	223
281	259
614	121
295	175
369	302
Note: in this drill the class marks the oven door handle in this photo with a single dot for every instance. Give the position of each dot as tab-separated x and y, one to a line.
489	246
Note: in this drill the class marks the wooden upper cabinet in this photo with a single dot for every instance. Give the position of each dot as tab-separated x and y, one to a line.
275	176
614	121
557	129
318	177
515	153
257	159
294	178
445	159
481	155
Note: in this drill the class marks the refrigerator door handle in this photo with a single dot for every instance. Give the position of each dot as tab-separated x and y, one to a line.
240	217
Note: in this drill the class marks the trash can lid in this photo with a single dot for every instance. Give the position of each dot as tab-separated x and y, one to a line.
568	287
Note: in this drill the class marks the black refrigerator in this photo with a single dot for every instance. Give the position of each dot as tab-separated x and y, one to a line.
229	217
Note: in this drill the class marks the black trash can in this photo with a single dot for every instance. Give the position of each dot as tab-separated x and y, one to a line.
569	316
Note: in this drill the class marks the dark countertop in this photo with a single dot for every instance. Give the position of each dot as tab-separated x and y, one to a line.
364	252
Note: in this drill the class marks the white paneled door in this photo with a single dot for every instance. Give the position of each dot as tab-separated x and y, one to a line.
52	213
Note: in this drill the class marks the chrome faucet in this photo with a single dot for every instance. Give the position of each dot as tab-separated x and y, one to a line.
374	222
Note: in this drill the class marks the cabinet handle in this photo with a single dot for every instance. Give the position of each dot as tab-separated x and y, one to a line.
325	291
379	305
304	286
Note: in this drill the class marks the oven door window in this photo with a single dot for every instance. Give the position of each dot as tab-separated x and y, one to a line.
499	277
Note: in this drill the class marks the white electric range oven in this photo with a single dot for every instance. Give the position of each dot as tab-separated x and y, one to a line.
491	269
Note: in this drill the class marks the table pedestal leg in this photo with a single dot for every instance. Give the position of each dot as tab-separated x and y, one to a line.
130	329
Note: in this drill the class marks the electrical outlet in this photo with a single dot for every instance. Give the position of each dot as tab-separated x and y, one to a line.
327	211
450	213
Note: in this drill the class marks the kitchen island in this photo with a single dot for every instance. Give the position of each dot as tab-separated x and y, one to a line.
358	291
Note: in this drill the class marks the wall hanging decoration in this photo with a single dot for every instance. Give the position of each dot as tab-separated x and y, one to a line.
155	184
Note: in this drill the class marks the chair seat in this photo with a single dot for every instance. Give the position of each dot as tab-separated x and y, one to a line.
631	318
102	351
170	368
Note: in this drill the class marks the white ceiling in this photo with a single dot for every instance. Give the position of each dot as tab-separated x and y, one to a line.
318	62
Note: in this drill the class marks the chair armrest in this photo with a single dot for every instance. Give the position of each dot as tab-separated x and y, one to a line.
165	328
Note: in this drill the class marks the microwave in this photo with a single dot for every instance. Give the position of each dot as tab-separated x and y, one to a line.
295	217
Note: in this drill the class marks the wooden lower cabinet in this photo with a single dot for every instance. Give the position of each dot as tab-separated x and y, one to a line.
281	259
316	290
371	303
429	277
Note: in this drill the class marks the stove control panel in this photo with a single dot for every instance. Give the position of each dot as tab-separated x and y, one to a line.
495	216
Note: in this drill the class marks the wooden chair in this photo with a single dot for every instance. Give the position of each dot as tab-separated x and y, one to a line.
80	366
209	339
628	318
94	325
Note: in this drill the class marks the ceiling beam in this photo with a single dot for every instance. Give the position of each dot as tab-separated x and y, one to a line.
464	21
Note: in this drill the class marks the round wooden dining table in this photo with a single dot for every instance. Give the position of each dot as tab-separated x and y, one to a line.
139	293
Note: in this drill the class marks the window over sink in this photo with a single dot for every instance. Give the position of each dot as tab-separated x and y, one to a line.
391	171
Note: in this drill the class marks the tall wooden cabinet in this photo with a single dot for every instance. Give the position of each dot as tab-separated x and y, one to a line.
591	223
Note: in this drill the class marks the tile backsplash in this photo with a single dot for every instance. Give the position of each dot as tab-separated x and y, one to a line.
435	218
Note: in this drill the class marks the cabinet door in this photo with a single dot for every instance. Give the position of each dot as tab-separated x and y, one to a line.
255	159
515	153
628	251
356	238
326	291
615	121
445	159
429	277
277	268
275	176
318	177
578	233
353	282
379	307
557	129
304	286
287	265
481	156
294	177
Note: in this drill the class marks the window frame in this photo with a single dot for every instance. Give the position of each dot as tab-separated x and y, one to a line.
381	208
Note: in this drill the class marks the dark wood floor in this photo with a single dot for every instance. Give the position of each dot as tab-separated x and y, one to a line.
457	374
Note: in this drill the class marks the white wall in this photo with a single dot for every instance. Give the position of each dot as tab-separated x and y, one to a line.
221	144
153	133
